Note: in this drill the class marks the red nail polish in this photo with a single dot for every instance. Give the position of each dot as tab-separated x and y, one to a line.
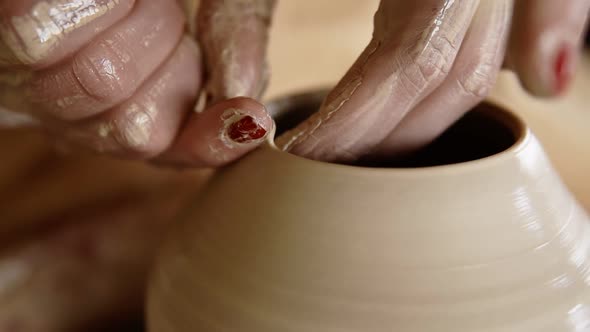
563	69
245	130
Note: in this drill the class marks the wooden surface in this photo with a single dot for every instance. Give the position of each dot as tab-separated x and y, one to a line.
313	42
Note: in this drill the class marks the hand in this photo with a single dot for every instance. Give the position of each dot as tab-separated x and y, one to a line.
123	76
431	61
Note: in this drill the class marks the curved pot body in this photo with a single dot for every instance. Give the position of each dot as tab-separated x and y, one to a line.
560	125
281	243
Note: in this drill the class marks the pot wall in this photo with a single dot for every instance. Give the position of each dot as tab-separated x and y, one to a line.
281	243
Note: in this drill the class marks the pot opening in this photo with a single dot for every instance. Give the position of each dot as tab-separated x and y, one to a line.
484	131
480	133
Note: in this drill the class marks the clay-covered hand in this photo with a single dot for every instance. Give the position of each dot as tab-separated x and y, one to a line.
429	62
123	76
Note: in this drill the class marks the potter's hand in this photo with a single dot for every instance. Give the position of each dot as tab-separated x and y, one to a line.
123	76
429	62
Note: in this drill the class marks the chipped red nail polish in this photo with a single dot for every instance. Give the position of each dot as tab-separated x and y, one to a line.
563	69
245	130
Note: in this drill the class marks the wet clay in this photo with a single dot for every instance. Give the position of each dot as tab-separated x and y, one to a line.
485	241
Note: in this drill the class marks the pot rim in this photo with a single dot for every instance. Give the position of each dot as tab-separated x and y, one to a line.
507	117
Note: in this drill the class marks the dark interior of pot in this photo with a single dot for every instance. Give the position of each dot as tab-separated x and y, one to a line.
475	136
484	131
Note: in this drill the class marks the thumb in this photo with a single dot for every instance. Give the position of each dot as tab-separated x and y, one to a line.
234	35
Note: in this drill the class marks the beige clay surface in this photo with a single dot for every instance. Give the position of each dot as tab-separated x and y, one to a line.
496	245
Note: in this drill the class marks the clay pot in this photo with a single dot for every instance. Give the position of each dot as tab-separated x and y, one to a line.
559	123
475	233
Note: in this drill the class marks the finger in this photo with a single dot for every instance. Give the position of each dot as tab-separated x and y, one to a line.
221	134
39	33
413	48
470	80
234	35
147	123
545	43
111	68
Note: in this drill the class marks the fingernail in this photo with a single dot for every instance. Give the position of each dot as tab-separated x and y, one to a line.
563	68
243	128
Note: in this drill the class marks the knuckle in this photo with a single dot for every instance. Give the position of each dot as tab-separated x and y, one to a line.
426	69
435	53
134	131
479	81
428	62
106	73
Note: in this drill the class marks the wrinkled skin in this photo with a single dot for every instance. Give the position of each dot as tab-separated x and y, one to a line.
123	76
125	83
429	62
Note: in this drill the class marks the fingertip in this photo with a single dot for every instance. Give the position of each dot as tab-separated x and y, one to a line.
221	134
548	74
545	45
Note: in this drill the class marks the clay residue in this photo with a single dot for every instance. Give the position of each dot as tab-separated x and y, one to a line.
420	58
231	73
330	107
442	38
137	132
498	14
33	36
137	122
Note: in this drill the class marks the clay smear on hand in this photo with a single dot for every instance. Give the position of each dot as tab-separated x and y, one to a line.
33	36
332	105
232	72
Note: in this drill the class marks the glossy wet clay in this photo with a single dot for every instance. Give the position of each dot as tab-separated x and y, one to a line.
279	243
